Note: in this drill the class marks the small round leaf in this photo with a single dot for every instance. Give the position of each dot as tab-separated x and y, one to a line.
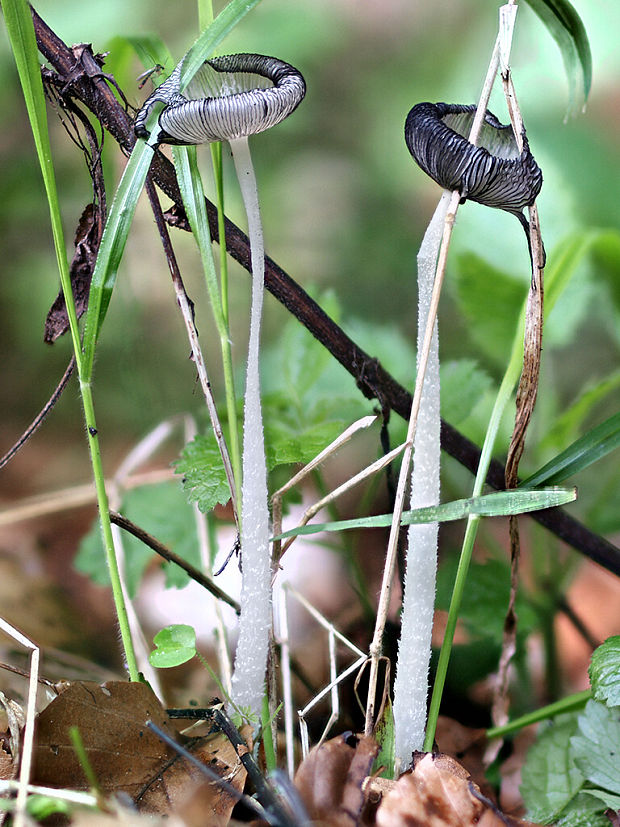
174	645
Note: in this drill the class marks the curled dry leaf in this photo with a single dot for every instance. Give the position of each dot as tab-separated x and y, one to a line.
10	738
438	793
331	777
87	240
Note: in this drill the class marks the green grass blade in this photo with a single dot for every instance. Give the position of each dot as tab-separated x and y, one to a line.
500	504
20	29
190	184
113	244
597	443
568	31
210	38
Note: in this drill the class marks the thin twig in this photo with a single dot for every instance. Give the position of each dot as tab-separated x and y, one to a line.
187	311
169	555
21	818
40	417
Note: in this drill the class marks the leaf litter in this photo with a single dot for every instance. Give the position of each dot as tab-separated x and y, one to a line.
334	785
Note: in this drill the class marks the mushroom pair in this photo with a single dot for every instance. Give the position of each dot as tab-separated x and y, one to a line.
228	99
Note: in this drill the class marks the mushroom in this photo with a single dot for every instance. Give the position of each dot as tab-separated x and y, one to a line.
495	172
229	98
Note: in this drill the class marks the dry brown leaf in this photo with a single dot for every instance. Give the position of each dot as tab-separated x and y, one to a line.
200	803
438	793
124	754
331	777
10	739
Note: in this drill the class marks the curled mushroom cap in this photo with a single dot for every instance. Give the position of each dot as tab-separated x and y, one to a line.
229	97
495	173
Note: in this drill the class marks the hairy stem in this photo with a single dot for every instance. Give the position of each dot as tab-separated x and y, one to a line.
252	649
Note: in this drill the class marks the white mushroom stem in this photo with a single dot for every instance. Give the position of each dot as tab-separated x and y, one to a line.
248	682
414	650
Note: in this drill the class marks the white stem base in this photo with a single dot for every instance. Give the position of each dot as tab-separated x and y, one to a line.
411	683
248	681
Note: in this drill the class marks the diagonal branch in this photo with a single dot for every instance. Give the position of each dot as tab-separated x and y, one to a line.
85	79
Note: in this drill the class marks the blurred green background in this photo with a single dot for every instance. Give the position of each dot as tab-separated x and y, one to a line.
344	210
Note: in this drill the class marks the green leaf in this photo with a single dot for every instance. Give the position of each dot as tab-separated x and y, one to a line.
604	672
567	29
211	37
113	244
485	599
162	510
596	746
583	811
204	477
384	735
550	776
174	645
151	50
463	385
597	443
569	423
491	301
41	807
609	799
499	504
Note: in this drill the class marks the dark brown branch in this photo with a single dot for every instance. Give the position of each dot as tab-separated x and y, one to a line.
169	555
85	79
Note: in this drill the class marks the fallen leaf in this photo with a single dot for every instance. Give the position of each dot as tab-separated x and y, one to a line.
330	779
10	739
439	792
201	803
87	240
125	755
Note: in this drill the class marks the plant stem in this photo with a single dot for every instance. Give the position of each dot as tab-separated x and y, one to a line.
414	652
229	381
255	621
570	704
106	530
390	562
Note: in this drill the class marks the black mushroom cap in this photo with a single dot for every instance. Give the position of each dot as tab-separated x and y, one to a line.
494	172
229	97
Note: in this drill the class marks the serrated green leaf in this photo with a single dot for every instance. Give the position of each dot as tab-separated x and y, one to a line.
567	29
550	776
485	600
596	746
174	645
597	443
500	504
583	811
286	444
609	799
463	385
204	477
162	510
491	301
604	672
